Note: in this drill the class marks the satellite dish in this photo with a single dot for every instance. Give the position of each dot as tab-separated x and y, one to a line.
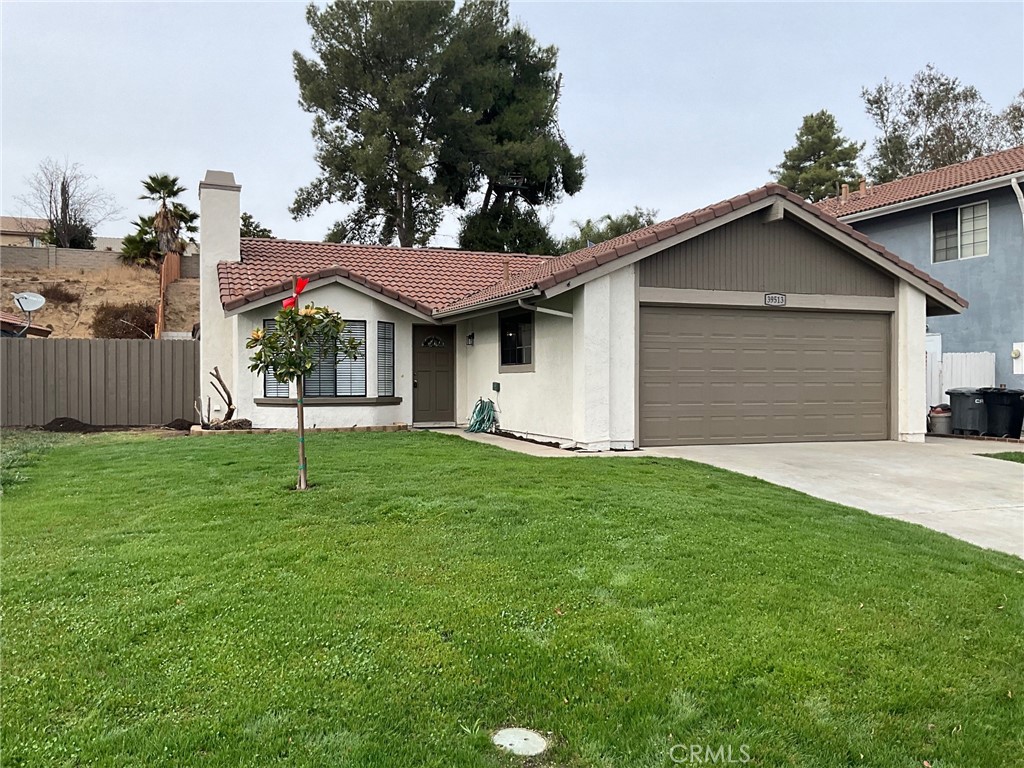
28	302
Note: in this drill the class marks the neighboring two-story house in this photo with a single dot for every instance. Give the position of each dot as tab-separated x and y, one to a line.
963	224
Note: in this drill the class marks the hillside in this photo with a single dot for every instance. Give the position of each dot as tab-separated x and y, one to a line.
93	287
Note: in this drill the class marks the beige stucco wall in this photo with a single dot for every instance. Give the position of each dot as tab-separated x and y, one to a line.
536	404
910	324
219	226
604	358
353	305
582	391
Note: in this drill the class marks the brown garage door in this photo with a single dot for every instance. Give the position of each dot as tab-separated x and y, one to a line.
762	376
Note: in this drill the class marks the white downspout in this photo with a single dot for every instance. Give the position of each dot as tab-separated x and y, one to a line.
545	310
1020	197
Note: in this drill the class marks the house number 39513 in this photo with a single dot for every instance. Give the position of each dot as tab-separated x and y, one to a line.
775	299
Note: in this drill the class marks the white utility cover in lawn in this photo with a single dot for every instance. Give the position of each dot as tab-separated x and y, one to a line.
520	741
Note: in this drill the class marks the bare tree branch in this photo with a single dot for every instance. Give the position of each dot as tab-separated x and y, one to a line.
62	193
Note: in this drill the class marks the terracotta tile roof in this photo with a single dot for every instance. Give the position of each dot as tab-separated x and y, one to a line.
427	279
12	322
951	177
434	280
558	270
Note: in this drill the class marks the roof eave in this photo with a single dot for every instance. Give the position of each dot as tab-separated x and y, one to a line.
398	301
935	197
486	307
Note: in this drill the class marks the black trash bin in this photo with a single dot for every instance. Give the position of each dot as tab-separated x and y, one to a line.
1005	411
970	416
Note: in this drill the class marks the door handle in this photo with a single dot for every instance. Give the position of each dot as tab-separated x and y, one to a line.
415	383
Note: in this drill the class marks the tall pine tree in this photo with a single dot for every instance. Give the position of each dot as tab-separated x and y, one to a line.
821	160
418	107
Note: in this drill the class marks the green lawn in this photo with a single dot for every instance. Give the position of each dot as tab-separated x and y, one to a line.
1017	456
168	602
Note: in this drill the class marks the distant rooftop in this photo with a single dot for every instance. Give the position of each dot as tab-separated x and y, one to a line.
922	185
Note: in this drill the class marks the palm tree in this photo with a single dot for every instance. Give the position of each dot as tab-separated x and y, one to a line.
140	247
172	217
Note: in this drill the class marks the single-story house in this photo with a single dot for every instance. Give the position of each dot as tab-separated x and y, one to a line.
12	324
964	223
758	319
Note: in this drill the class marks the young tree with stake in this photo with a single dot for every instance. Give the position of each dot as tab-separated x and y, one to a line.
302	338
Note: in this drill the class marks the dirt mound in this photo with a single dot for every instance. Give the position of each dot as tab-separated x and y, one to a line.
179	424
67	424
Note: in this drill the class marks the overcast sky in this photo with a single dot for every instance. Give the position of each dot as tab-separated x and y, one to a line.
676	105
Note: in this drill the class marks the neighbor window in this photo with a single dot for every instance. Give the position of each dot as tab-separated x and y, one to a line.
960	233
385	359
273	386
334	377
516	339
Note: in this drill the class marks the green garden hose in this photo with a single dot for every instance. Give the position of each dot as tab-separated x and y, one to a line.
484	418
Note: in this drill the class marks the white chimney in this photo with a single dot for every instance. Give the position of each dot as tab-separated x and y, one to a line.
219	225
219	216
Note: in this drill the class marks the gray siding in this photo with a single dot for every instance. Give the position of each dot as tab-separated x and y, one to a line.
106	382
993	284
748	255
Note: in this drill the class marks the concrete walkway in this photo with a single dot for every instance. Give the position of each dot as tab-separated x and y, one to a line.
941	484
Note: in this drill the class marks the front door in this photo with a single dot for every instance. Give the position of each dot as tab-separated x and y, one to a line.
433	373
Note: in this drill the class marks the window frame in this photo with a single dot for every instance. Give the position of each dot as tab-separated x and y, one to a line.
271	384
274	393
355	363
959	232
385	358
528	366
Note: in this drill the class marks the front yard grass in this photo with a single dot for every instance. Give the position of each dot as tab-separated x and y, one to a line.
169	602
1017	456
20	448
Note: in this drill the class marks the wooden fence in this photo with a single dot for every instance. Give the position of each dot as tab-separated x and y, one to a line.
105	382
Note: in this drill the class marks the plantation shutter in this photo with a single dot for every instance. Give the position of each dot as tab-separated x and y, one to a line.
350	375
320	381
385	359
273	386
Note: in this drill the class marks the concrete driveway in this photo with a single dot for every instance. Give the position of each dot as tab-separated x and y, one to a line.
940	484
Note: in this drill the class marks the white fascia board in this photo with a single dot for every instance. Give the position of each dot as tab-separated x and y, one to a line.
328	281
938	197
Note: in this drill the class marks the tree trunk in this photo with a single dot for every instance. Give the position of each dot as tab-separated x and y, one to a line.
406	218
487	198
302	437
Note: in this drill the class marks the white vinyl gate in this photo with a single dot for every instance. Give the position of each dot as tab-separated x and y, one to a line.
950	370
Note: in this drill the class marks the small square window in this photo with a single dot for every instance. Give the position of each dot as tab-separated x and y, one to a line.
516	339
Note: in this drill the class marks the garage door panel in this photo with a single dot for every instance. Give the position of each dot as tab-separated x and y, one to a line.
747	375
